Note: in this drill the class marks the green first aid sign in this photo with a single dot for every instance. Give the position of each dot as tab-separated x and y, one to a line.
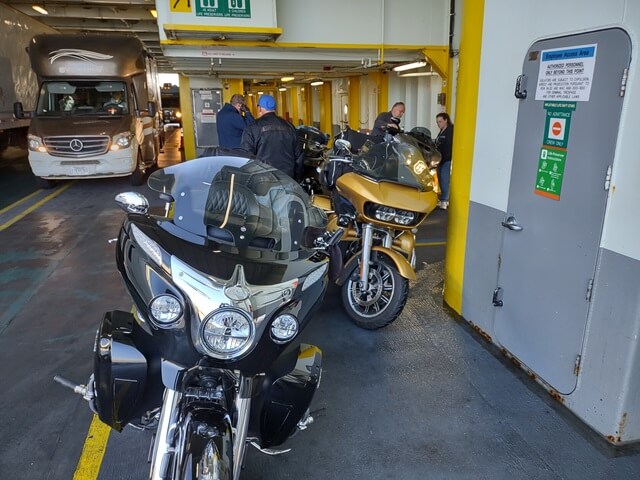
550	172
223	8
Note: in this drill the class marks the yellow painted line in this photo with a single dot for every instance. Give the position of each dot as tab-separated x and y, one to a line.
430	244
35	206
19	202
93	451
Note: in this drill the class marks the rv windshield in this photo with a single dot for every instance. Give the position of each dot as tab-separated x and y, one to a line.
82	98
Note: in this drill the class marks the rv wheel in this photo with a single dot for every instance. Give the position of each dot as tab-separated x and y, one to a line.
44	183
137	177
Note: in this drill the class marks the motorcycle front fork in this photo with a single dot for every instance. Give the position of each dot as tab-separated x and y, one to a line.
367	243
165	439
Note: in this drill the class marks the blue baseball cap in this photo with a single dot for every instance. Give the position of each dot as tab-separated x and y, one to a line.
267	102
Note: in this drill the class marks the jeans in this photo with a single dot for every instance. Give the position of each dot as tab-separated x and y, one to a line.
444	177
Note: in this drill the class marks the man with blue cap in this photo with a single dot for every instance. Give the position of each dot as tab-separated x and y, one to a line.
273	140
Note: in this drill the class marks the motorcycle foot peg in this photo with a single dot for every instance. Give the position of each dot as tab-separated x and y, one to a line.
305	422
76	387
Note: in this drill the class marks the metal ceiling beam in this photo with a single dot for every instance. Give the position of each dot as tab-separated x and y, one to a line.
87	12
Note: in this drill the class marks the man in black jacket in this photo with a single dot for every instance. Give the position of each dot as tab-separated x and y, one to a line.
273	140
232	119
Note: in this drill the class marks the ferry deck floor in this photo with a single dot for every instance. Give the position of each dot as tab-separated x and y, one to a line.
425	398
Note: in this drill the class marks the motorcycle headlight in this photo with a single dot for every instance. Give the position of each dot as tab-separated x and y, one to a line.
227	333
390	214
35	144
121	140
284	328
165	310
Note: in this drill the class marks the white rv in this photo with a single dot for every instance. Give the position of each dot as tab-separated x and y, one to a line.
97	113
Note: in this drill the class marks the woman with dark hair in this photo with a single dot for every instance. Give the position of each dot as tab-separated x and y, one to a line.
444	142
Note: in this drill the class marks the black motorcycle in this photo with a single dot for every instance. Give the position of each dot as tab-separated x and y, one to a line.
224	277
314	144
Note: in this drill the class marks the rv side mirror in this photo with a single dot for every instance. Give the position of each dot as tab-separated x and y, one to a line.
151	108
18	112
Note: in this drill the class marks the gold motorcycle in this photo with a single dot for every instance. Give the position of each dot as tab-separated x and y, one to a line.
385	194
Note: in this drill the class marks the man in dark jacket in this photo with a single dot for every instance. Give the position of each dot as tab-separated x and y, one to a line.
273	140
232	119
388	121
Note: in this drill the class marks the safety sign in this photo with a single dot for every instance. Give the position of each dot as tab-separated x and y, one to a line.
566	73
553	153
223	8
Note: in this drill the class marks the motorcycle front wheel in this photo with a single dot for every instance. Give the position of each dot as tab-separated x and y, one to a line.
382	301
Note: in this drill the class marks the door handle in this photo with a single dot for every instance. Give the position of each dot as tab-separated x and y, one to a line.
512	224
521	92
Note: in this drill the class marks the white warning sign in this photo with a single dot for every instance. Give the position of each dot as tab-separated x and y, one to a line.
557	128
566	73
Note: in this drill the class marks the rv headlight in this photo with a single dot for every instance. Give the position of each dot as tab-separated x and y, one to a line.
150	247
227	333
314	276
165	310
35	144
284	328
121	140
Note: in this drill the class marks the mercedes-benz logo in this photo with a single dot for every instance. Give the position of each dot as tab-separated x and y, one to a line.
76	145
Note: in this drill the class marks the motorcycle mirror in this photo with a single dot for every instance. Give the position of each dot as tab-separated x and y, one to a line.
132	202
342	143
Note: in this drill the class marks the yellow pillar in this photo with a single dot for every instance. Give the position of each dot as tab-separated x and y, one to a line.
231	87
187	117
354	103
307	117
382	86
466	113
295	94
326	112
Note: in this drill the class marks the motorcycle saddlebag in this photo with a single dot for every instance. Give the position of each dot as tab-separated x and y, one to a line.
121	370
288	397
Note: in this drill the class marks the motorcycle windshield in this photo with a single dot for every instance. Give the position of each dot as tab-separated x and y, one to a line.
399	160
239	202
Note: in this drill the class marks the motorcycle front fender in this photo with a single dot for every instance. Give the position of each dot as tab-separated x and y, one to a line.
401	263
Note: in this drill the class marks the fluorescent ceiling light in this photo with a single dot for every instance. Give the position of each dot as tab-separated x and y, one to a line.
317	83
154	13
282	89
416	74
39	9
409	66
287	79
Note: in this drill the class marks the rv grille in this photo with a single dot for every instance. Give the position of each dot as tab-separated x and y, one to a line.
71	146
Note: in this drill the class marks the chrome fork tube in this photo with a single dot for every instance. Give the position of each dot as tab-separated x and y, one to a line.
163	442
243	405
367	242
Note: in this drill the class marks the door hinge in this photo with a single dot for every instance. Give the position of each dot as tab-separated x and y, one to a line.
497	297
607	179
623	83
589	289
576	365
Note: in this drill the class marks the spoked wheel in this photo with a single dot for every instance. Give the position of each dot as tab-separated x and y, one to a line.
382	301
